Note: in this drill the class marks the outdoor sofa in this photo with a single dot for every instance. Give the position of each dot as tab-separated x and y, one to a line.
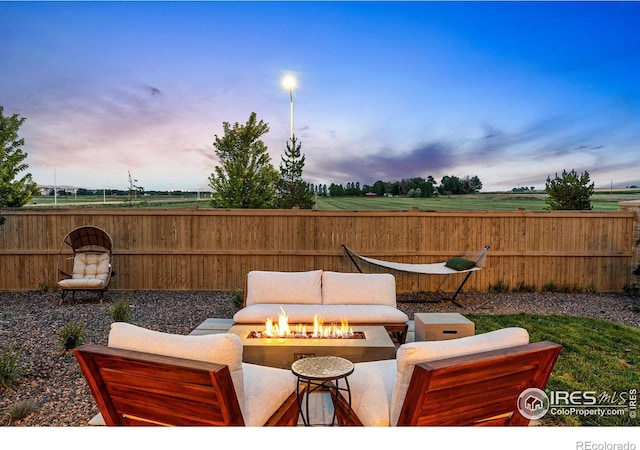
361	299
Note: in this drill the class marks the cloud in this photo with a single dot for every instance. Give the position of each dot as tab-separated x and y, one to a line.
387	165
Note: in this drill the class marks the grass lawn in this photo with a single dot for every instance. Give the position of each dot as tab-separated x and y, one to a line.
597	356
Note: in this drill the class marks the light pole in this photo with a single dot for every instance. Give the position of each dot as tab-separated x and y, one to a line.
55	186
289	82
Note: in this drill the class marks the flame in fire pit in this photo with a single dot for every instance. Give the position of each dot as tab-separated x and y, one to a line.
282	329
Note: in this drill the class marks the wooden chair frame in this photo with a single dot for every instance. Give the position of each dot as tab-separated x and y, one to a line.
136	388
479	389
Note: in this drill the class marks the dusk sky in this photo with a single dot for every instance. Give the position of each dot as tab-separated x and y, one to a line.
510	92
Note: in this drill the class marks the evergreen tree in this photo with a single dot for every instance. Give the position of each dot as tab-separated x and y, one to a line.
293	190
15	191
245	177
569	191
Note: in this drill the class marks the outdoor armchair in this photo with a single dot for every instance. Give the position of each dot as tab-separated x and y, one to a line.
154	378
85	260
474	380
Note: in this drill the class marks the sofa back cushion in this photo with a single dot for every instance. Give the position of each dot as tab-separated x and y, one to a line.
215	348
409	355
284	287
358	289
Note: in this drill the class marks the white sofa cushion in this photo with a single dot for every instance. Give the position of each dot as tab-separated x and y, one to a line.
284	287
371	314
410	354
216	348
358	289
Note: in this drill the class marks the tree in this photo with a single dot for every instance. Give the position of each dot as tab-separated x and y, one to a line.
336	190
454	185
245	177
133	190
471	185
15	191
450	185
293	190
569	191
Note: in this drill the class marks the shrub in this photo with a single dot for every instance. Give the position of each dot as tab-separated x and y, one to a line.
237	298
549	287
9	366
521	287
72	335
19	411
632	289
500	286
120	311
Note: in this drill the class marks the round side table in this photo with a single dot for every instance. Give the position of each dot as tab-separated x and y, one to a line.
318	372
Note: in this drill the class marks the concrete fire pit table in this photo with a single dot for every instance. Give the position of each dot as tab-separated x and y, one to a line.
376	345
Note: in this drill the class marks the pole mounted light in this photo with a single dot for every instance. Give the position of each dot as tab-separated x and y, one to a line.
55	185
289	82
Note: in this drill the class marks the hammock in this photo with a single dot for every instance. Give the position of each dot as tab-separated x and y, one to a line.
475	259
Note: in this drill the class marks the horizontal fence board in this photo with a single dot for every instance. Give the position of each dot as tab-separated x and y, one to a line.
192	249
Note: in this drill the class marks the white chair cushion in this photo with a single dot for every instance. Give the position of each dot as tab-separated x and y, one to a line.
358	289
355	314
266	388
221	348
410	354
91	266
371	386
82	283
284	287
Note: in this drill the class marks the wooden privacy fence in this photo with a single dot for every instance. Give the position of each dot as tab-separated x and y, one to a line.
194	249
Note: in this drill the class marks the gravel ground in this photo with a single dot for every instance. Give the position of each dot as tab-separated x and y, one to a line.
52	379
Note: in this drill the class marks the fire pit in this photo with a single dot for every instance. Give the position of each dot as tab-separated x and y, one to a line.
282	329
307	335
373	344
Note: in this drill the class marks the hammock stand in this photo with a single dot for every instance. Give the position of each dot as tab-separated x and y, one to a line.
438	268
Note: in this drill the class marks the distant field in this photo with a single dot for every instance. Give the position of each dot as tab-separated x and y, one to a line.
478	202
601	201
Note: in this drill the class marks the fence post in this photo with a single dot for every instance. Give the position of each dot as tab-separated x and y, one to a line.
634	205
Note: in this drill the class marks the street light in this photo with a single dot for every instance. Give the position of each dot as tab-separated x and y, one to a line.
55	186
289	82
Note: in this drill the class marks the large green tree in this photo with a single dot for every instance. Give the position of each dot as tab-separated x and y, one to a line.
15	189
454	185
569	191
245	177
293	190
